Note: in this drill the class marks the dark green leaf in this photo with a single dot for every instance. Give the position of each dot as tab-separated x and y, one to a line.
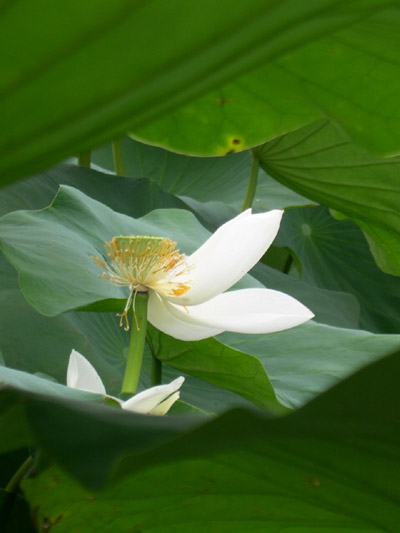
14	514
384	245
331	467
43	418
336	256
80	75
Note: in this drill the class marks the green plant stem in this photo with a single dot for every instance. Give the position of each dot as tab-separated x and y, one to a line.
84	159
156	371
288	264
136	345
118	157
20	474
251	187
12	489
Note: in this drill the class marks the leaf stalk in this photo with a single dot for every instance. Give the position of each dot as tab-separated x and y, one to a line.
118	157
252	184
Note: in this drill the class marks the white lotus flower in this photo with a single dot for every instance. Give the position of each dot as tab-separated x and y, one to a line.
187	297
154	401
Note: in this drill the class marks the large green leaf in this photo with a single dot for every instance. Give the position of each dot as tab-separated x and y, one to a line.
112	430
16	432
331	467
320	162
52	248
335	256
220	365
204	179
352	76
82	74
27	382
46	343
303	362
137	197
131	197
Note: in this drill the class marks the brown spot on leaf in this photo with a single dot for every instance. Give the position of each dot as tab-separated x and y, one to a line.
47	524
223	101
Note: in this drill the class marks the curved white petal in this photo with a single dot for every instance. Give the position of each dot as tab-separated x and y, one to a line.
246	311
159	315
81	375
163	407
229	254
148	400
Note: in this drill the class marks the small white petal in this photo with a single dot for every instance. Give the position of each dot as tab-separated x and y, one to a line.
246	311
160	316
163	408
81	375
149	399
229	254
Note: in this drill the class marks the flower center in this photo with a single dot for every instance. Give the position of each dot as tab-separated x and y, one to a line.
142	262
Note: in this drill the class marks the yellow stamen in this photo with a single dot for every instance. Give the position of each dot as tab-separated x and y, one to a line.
143	263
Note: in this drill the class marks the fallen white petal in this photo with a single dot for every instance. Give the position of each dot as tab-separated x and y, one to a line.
229	254
246	311
81	375
168	323
149	399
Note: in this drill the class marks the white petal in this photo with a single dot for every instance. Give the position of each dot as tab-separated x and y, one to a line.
229	254
163	408
162	319
81	375
146	401
246	311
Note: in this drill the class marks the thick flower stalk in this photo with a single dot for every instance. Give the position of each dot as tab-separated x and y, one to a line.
154	401
187	297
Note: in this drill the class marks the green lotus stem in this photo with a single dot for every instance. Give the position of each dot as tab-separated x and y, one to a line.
118	157
84	159
20	474
156	371
12	489
288	264
136	345
252	184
